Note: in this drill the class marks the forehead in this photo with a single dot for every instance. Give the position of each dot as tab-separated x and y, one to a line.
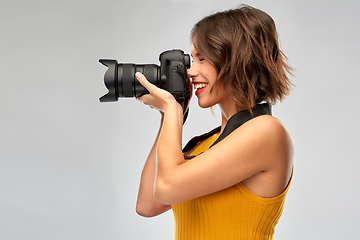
194	51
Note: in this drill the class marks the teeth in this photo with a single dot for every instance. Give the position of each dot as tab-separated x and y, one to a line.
200	85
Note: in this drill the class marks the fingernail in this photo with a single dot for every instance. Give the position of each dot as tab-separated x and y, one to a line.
138	75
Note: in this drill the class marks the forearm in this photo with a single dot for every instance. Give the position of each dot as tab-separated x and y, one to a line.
169	150
146	205
169	154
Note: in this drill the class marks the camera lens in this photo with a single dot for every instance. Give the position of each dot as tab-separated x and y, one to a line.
171	76
121	82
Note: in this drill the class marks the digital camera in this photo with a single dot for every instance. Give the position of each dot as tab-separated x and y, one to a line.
170	75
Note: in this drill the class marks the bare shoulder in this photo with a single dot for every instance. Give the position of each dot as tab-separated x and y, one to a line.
266	140
277	150
272	135
268	128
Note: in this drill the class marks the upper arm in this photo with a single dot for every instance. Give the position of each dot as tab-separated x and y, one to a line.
257	146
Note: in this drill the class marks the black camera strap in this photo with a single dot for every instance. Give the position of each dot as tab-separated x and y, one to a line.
233	123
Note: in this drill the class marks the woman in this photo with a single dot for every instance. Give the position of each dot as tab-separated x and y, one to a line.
230	183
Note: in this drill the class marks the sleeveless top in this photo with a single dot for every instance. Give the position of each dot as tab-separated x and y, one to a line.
232	213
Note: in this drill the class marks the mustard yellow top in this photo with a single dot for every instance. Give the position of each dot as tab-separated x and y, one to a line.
232	213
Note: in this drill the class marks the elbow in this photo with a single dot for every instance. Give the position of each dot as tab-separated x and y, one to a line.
145	211
151	208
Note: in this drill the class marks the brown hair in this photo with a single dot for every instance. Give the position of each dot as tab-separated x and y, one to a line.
242	44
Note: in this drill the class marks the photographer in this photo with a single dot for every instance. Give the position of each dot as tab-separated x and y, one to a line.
230	183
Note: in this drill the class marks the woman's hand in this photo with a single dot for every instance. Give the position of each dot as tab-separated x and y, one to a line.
157	98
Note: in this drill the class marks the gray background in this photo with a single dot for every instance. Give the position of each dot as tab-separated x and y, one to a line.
70	166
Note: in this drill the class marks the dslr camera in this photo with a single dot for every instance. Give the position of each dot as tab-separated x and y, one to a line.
170	75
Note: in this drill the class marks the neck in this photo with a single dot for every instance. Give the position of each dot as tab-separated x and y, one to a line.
227	111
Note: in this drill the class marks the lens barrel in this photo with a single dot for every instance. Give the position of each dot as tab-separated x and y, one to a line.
121	82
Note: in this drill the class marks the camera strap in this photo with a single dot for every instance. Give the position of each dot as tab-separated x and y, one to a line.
233	123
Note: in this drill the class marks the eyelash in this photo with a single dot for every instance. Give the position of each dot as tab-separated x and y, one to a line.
200	59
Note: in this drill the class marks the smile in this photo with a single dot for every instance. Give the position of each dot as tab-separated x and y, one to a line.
198	86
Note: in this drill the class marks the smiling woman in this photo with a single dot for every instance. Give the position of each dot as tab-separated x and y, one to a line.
204	75
243	48
230	183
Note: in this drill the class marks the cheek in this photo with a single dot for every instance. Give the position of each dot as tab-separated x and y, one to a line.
212	76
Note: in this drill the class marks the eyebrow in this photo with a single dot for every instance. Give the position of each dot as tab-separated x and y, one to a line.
196	54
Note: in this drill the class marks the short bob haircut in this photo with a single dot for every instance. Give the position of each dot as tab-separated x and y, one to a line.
242	45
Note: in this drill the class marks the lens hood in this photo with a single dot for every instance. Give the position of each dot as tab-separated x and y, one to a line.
110	80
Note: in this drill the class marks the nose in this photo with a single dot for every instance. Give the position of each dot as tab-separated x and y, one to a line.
192	72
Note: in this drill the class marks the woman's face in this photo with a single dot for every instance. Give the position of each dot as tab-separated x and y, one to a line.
203	75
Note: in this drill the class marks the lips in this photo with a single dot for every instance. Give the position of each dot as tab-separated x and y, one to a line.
199	87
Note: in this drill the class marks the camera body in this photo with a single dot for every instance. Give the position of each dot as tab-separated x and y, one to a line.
171	76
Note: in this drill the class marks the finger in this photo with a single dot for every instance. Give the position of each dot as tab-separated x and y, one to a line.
143	81
144	99
147	99
139	99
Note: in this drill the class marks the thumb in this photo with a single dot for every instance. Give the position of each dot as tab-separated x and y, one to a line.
144	82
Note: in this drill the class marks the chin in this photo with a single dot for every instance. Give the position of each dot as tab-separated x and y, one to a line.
203	104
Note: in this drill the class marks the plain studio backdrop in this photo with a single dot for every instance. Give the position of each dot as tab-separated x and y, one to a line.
70	165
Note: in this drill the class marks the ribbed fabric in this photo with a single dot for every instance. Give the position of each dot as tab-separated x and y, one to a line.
204	145
233	213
